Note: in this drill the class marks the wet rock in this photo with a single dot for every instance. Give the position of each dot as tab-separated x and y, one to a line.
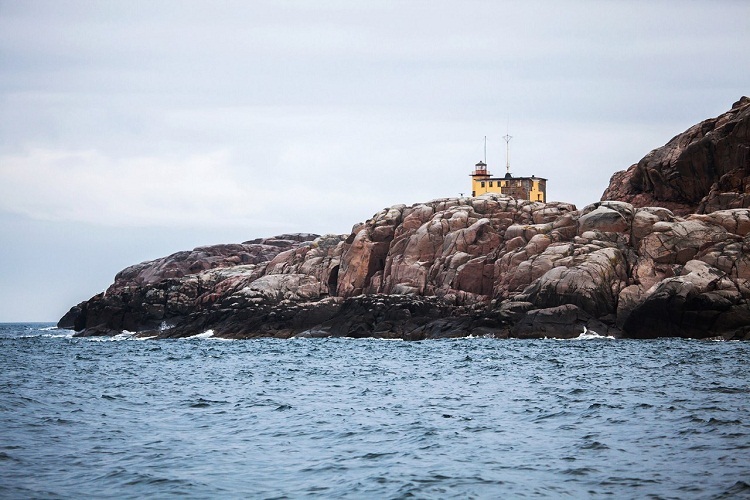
71	319
563	322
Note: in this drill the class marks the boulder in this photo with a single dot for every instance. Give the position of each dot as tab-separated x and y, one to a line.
607	217
679	241
590	281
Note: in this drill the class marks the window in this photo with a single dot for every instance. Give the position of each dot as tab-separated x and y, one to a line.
490	183
482	184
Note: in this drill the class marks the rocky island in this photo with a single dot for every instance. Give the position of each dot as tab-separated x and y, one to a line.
666	252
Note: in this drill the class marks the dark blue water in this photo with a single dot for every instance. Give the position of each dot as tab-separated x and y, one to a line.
334	418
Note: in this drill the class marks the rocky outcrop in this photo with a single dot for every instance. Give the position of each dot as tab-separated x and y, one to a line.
485	266
203	258
704	169
490	265
143	295
701	302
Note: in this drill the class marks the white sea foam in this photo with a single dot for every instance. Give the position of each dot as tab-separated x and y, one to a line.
374	339
59	334
205	335
592	335
209	334
124	335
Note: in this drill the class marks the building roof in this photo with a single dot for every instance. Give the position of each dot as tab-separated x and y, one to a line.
510	177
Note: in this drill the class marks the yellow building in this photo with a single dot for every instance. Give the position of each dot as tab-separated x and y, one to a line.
523	188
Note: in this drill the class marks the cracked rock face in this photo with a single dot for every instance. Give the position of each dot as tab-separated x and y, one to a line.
490	265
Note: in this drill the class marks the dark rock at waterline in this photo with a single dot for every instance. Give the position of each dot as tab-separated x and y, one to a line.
70	318
485	266
563	322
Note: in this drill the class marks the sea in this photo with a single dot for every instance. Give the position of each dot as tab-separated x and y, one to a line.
203	417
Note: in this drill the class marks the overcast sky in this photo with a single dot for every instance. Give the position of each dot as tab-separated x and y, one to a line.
130	130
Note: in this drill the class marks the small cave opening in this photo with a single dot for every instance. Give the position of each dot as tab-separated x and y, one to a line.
333	281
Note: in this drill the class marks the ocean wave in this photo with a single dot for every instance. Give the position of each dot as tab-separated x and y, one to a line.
205	335
208	334
587	334
60	333
462	418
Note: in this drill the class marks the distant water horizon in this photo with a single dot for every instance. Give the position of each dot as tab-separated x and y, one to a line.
351	418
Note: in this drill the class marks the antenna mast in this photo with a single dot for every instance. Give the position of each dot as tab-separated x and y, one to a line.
485	149
507	138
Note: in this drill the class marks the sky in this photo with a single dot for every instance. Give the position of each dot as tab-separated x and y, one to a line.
133	129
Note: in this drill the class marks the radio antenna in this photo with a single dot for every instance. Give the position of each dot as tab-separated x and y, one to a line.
507	138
